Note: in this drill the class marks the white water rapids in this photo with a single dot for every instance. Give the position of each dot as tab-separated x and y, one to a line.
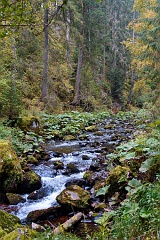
53	183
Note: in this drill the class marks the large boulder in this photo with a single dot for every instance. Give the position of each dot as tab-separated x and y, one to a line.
74	196
10	169
31	182
11	229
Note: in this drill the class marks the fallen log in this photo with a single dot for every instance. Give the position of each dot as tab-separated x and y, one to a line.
69	223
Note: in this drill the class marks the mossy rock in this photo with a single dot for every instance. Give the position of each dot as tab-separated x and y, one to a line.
98	185
83	137
109	126
98	133
74	196
14	199
88	175
118	174
69	138
92	128
8	222
117	178
31	159
20	233
56	133
31	182
28	123
10	168
73	168
58	165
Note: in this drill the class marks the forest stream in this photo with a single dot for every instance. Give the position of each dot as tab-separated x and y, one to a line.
74	158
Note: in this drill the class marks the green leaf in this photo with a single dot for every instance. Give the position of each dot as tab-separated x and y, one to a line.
128	156
103	191
134	183
105	218
144	213
146	165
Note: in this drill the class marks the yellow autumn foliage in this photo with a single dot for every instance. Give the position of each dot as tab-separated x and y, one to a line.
140	88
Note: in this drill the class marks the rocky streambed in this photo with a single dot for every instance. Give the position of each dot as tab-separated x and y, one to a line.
74	175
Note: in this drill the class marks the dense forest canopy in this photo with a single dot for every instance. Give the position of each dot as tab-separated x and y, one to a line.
85	53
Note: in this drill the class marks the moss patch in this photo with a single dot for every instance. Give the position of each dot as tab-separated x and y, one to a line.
8	222
28	123
21	234
10	168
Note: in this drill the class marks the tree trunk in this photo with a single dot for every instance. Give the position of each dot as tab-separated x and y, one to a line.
79	65
45	54
78	76
68	37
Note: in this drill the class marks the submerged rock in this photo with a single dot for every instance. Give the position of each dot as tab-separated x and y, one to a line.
74	196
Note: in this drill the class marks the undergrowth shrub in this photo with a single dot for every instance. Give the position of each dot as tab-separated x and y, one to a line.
138	216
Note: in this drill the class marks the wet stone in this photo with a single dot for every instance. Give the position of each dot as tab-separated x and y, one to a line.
85	157
58	165
38	194
75	153
39	215
72	168
57	154
79	182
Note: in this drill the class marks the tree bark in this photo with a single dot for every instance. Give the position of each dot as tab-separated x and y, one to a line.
45	53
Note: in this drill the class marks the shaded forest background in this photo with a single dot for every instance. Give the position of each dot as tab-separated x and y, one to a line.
87	55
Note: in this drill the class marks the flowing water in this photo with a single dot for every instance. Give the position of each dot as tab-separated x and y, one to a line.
53	181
